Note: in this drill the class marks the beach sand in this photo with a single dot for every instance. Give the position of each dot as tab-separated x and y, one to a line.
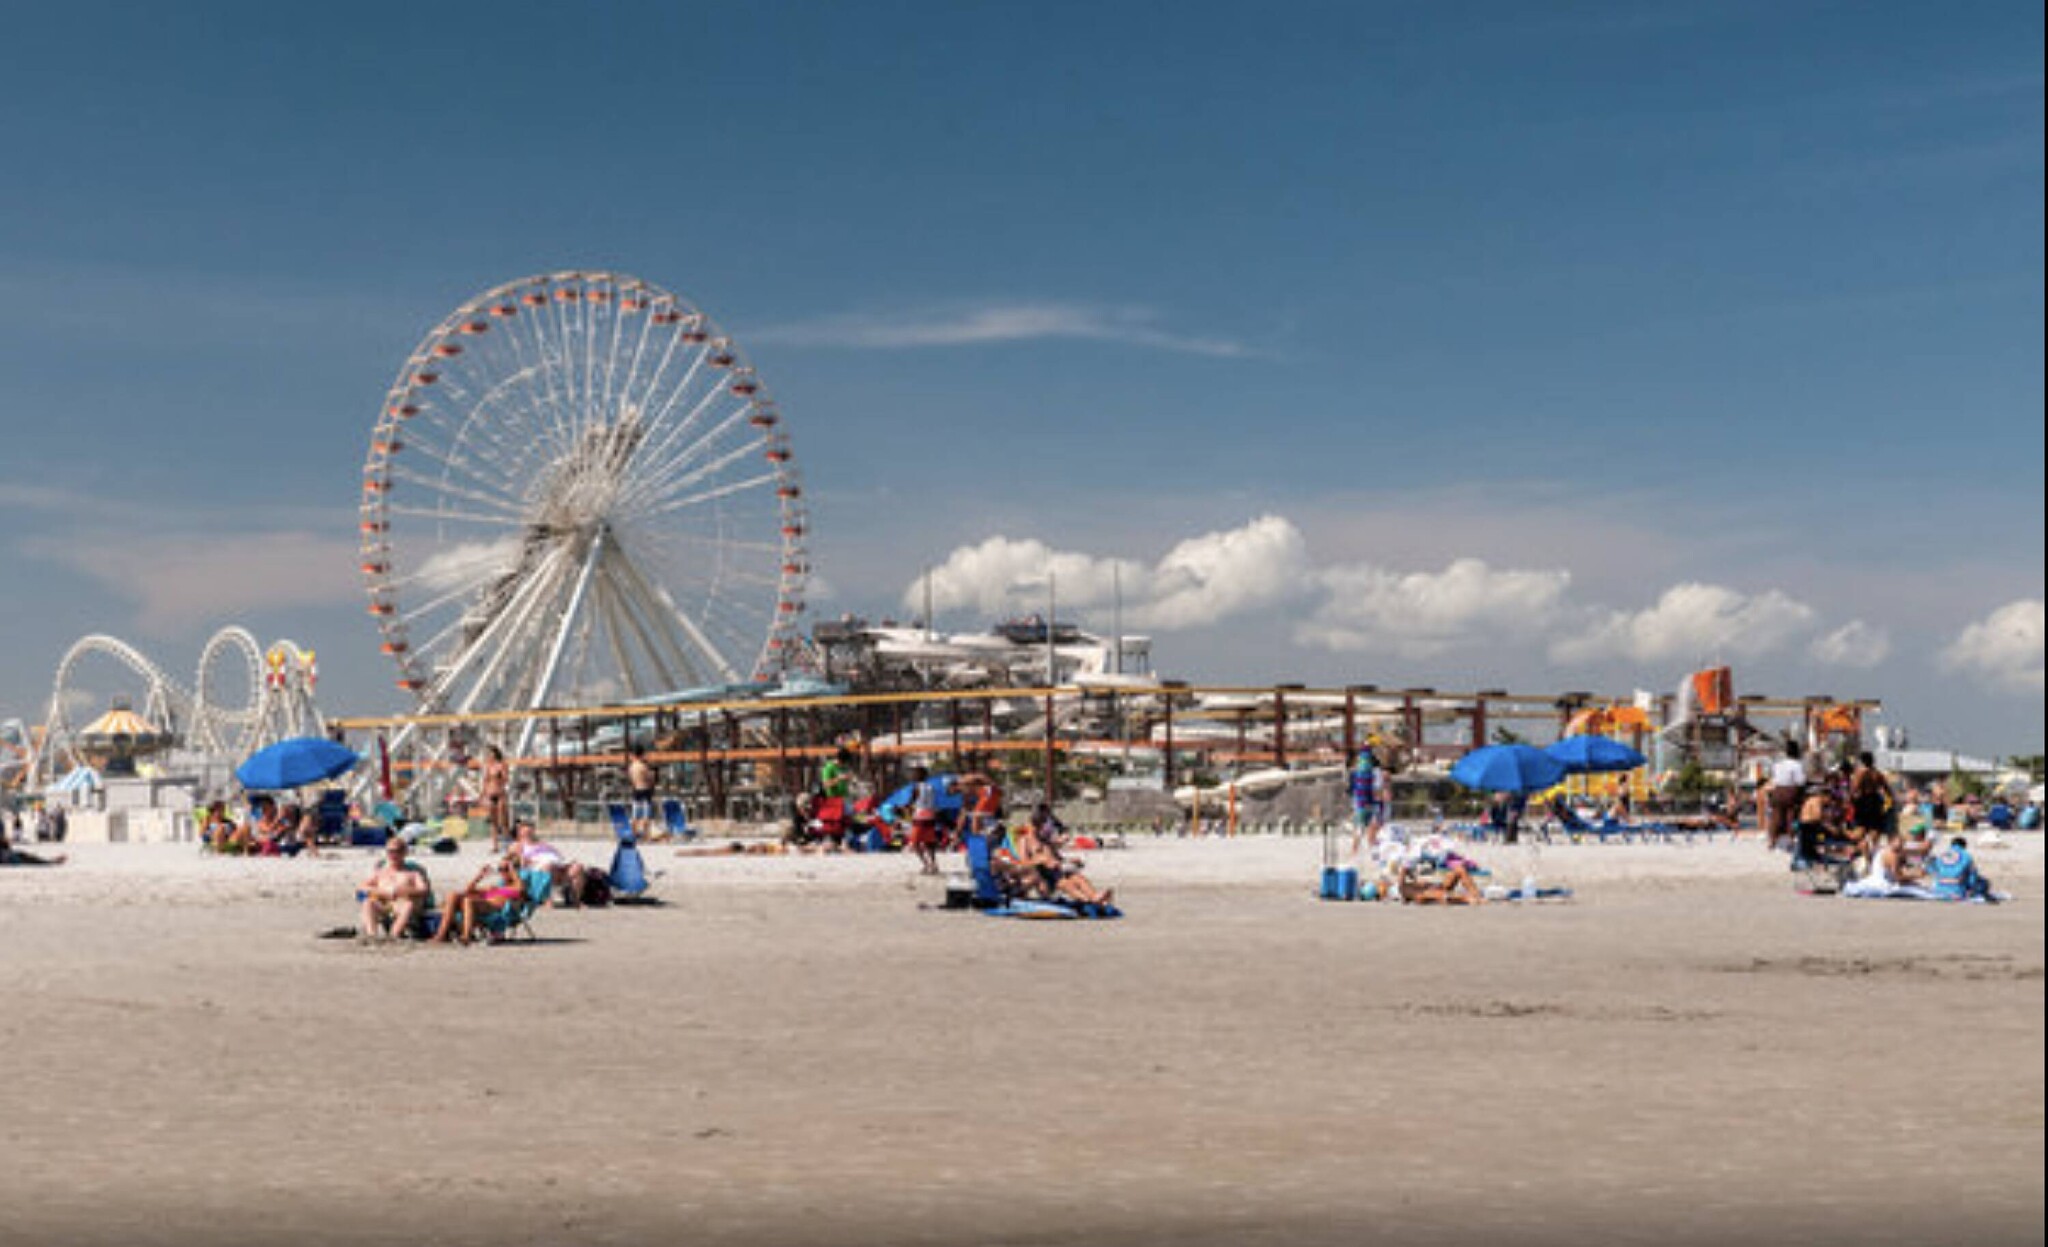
793	1051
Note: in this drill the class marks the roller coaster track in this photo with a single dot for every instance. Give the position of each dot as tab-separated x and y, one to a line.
279	704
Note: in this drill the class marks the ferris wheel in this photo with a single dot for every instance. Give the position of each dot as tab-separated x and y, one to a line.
579	492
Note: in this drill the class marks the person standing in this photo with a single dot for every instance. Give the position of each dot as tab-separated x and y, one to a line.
1368	802
924	820
1872	806
1788	790
497	796
835	779
640	781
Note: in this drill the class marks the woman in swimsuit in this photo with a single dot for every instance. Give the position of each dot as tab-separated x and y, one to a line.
497	796
497	886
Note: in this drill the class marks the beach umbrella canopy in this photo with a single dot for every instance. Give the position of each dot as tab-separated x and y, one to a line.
948	795
1595	755
1508	768
295	763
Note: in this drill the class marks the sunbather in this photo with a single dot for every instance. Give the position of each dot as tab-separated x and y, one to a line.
1428	883
1062	875
537	854
395	895
496	887
11	856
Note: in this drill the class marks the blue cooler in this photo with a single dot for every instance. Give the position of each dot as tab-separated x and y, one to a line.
1340	883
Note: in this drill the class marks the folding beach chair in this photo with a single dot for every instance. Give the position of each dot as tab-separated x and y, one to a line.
538	886
628	871
622	820
675	820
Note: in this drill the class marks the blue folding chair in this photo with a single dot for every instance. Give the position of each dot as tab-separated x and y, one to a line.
675	820
988	890
538	886
628	872
622	820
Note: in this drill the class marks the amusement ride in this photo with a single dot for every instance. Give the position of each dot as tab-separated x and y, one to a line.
243	696
578	492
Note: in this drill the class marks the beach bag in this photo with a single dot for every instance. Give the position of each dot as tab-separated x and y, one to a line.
597	887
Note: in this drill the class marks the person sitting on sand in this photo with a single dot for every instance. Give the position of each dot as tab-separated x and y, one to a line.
11	856
496	887
1955	875
395	896
266	828
799	835
1425	882
1903	863
1060	873
220	832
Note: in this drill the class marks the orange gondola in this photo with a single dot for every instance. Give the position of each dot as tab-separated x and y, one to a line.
406	411
383	609
534	298
475	327
762	419
447	350
426	378
505	311
568	294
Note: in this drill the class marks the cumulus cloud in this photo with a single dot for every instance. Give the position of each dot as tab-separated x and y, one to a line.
1692	622
1421	614
1854	644
1199	581
1206	578
178	581
1264	570
2003	650
1001	323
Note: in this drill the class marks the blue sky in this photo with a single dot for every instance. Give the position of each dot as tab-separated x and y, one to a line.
1386	342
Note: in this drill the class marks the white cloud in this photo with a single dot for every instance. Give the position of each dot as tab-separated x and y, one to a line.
1692	622
1199	581
1003	575
1001	323
1206	578
467	563
2003	650
1854	644
1421	614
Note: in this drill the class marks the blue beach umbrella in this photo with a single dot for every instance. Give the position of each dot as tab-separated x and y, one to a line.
949	796
1595	755
295	763
1508	768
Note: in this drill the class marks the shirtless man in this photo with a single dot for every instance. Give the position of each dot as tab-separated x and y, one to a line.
394	896
640	780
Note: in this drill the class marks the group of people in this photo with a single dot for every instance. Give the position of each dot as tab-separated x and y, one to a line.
931	816
398	896
1852	815
270	829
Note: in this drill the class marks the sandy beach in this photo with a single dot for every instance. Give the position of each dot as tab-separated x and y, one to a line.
804	1051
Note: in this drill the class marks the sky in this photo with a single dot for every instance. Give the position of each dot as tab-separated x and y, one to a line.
1467	344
